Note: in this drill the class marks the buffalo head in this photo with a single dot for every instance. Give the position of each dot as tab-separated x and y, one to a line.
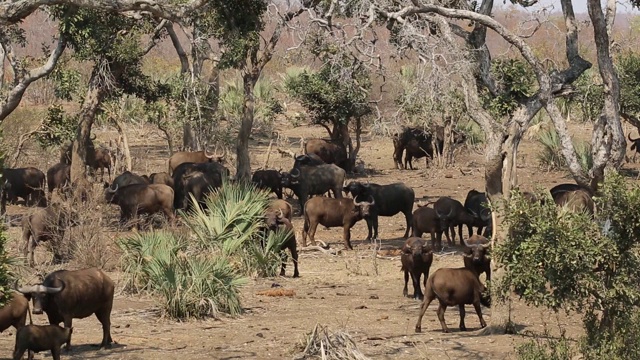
364	207
478	246
110	194
39	294
416	248
215	157
357	189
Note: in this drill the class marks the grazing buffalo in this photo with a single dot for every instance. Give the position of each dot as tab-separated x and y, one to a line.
38	338
141	199
453	287
14	312
576	201
26	183
452	213
476	204
66	295
269	180
198	180
307	160
390	200
314	180
99	158
635	146
161	178
278	205
47	224
416	260
192	157
425	220
275	221
59	177
330	212
331	152
475	255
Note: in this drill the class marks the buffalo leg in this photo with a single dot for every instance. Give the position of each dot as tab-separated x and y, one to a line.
429	296
441	309
476	305
405	291
460	233
346	236
68	322
294	254
369	221
479	230
374	221
279	193
104	316
470	228
462	313
55	353
417	291
312	233
452	230
283	258
305	231
409	219
18	353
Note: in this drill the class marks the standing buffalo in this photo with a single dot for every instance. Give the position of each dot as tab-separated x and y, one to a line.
307	160
314	180
425	220
416	260
277	220
418	143
161	178
330	212
26	183
48	224
476	204
141	199
331	152
59	177
38	338
452	213
390	200
99	158
269	180
66	295
198	180
125	179
278	205
192	157
475	255
14	312
453	287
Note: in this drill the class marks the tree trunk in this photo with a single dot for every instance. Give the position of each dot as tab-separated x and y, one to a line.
189	140
125	143
243	162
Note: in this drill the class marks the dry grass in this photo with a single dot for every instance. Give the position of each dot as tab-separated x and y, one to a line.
277	292
323	344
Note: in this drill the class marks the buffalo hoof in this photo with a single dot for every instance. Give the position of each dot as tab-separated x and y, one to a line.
282	273
67	348
418	329
463	328
446	331
295	275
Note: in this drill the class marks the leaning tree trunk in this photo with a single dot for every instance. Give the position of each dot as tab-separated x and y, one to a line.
243	162
125	143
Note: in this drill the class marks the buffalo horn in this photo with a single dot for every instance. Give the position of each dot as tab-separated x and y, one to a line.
300	157
469	245
356	203
54	290
297	173
24	289
630	139
486	245
373	201
280	215
93	138
213	156
113	190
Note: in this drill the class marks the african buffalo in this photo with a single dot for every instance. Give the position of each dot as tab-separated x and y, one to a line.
66	295
331	152
161	178
452	213
59	177
314	180
275	221
197	179
476	204
453	287
193	157
46	224
278	205
269	180
418	143
416	260
99	158
425	220
38	338
141	199
26	183
125	179
475	255
635	146
14	312
307	160
566	187
330	212
576	201
390	200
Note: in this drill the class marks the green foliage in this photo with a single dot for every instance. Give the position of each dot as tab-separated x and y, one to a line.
58	127
266	105
564	260
516	80
5	271
473	131
66	82
551	155
590	95
546	348
628	67
201	275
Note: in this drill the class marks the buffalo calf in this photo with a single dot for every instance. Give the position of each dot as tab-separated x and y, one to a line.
38	338
416	260
426	220
14	312
453	287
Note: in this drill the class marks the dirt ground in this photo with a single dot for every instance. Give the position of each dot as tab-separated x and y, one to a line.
353	292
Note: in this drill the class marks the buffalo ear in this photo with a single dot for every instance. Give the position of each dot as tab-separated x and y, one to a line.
406	249
426	249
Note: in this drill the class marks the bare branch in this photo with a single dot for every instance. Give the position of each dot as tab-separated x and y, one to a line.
155	37
182	55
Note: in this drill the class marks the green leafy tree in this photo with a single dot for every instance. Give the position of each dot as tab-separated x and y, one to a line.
516	80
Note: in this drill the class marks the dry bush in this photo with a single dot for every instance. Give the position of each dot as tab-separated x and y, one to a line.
277	292
363	262
321	343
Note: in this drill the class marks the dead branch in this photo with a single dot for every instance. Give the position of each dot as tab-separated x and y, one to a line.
266	162
286	153
319	248
21	141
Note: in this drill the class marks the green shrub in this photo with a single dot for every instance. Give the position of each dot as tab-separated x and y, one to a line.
200	274
5	270
551	156
473	131
546	348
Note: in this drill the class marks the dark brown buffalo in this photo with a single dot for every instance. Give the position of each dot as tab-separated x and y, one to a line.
390	200
59	177
197	180
425	220
331	152
278	205
477	205
277	220
416	260
418	143
268	180
307	160
99	158
161	178
635	146
138	199
14	312
453	287
66	295
314	180
452	213
38	338
331	212
576	201
47	224
475	255
193	157
26	183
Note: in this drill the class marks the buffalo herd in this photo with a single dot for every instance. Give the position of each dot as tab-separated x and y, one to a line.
317	178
